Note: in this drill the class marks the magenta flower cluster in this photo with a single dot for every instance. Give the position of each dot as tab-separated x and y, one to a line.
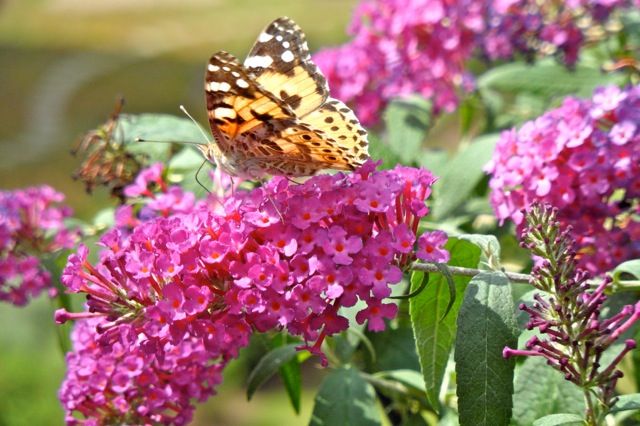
129	384
403	47
584	159
31	227
151	196
282	256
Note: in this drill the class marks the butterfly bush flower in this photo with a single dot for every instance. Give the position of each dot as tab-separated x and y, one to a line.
281	256
584	159
129	384
152	195
572	332
31	227
402	47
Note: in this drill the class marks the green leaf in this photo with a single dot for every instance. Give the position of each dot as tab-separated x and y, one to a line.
345	398
626	403
434	160
489	247
627	274
462	174
292	380
269	365
379	150
486	324
560	420
407	121
434	335
409	378
160	127
395	349
545	77
540	390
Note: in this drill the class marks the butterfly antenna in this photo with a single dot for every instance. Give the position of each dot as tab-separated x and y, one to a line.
183	109
178	142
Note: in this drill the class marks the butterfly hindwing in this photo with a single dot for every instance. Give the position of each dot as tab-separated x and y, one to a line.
281	63
340	125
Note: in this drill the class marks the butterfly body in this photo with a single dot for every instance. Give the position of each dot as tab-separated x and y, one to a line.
273	115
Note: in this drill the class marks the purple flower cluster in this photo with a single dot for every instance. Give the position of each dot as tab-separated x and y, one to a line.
282	256
128	384
151	196
402	47
584	159
31	226
572	334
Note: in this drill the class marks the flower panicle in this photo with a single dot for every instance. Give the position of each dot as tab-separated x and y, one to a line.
279	257
572	333
32	228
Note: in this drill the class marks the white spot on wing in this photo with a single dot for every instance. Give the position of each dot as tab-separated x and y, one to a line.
214	86
213	68
235	74
279	38
286	44
241	83
264	37
225	112
258	61
287	56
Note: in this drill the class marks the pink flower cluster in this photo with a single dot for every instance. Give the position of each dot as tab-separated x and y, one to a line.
31	226
282	256
402	47
128	384
584	159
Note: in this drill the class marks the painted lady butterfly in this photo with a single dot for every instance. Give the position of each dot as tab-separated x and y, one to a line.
273	115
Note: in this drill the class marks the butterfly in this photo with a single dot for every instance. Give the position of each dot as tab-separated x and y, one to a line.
272	114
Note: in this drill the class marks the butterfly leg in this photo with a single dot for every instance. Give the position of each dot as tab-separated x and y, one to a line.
198	180
273	203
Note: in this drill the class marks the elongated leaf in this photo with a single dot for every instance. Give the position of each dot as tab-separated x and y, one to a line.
161	127
627	402
407	121
540	390
434	335
560	420
269	365
345	398
409	378
292	379
462	174
486	324
546	77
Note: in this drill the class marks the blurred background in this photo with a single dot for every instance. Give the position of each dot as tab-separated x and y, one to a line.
63	63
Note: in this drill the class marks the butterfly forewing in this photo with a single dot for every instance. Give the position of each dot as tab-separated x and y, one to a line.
235	103
281	63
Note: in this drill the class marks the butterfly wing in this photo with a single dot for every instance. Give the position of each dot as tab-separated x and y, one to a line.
341	128
281	63
235	103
